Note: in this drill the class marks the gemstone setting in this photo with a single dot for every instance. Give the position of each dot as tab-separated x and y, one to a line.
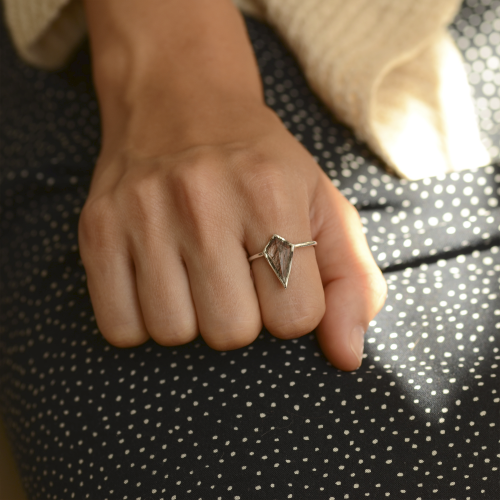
279	255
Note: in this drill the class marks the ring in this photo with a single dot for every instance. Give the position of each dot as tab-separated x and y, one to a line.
279	253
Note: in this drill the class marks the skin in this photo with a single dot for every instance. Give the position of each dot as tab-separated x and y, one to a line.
195	175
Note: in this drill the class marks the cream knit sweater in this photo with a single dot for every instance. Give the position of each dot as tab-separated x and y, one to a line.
387	68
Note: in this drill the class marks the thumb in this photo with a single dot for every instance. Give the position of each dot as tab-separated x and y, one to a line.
355	289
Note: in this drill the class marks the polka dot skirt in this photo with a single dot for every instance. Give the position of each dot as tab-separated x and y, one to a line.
419	420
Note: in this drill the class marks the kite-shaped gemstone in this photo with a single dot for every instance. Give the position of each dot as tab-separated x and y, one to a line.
279	254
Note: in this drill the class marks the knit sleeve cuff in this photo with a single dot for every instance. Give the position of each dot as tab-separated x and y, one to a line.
389	70
45	32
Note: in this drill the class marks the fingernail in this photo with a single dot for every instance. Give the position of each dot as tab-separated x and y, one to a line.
357	342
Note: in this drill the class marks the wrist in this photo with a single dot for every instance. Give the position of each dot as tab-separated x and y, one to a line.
170	66
151	129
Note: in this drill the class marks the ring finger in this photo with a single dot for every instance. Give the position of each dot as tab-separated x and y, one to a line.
297	309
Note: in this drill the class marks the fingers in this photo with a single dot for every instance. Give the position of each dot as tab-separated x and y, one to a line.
206	284
296	310
226	304
164	294
355	289
111	283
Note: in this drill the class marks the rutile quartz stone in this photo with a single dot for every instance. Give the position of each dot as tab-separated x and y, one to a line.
279	254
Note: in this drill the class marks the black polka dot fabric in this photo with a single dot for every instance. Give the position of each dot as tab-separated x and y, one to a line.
418	420
476	31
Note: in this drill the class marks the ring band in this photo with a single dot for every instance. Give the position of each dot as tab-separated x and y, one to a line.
279	254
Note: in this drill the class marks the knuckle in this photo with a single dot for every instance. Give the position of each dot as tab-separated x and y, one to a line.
266	177
147	186
143	199
124	335
194	182
196	191
173	334
97	225
274	196
232	336
266	186
94	214
295	325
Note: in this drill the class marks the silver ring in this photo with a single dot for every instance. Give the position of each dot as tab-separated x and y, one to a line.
279	253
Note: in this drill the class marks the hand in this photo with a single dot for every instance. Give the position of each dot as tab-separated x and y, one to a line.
171	219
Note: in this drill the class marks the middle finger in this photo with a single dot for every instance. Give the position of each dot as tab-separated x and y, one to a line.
223	292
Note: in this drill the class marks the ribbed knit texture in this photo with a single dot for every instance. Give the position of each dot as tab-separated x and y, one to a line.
387	68
45	32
